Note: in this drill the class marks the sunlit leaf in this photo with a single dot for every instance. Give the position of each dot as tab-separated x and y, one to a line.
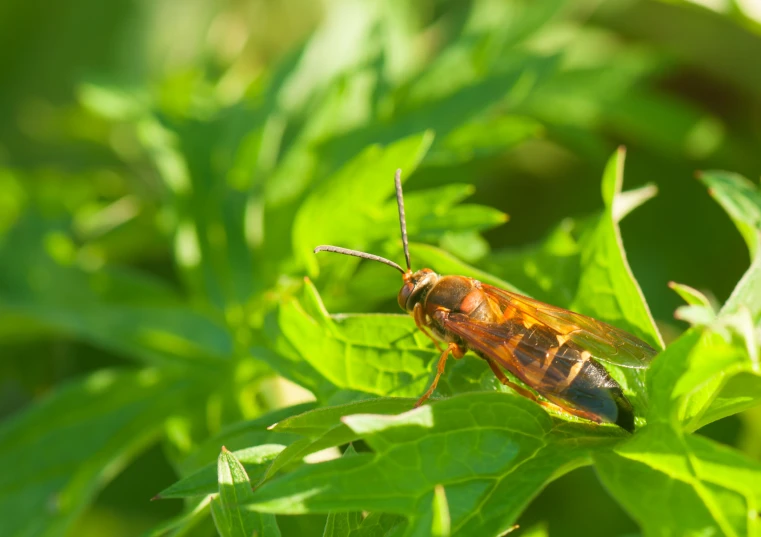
231	519
686	485
68	446
519	451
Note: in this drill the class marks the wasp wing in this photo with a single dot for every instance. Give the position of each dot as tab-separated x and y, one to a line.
534	357
605	342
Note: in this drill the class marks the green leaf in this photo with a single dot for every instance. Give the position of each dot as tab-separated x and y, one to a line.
323	428
484	136
548	270
690	295
318	421
234	491
699	311
67	447
101	307
430	214
185	522
741	199
355	193
724	370
445	263
700	378
607	288
241	436
343	524
474	101
254	460
376	354
490	466
380	525
674	484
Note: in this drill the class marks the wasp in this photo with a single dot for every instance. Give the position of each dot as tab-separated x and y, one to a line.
553	351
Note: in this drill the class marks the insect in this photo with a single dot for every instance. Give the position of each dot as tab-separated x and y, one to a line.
553	351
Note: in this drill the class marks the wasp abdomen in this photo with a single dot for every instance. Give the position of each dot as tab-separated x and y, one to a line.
561	369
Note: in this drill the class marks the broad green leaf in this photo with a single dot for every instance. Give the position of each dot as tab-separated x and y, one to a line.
254	460
690	374
343	524
285	359
323	428
675	484
376	354
343	209
725	375
490	466
607	288
68	446
231	519
319	421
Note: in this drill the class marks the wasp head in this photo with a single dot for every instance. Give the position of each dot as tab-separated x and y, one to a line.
416	287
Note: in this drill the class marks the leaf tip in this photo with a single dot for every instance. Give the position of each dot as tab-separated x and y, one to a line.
509	530
225	450
156	497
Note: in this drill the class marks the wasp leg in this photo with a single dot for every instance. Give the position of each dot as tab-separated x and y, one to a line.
504	380
457	352
573	411
419	316
546	404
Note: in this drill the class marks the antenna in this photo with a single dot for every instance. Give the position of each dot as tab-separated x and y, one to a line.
373	257
402	220
363	255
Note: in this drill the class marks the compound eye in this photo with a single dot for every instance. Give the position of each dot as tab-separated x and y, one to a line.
404	294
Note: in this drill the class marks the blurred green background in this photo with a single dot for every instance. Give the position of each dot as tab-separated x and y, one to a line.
91	92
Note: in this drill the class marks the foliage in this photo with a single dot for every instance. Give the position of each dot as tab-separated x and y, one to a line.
169	275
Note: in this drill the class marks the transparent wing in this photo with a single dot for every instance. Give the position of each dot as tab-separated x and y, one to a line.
603	341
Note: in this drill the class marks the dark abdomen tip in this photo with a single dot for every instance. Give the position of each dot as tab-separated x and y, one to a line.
625	417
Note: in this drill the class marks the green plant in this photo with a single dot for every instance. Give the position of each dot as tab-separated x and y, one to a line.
171	264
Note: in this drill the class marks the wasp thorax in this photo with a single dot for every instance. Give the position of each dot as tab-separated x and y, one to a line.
416	287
